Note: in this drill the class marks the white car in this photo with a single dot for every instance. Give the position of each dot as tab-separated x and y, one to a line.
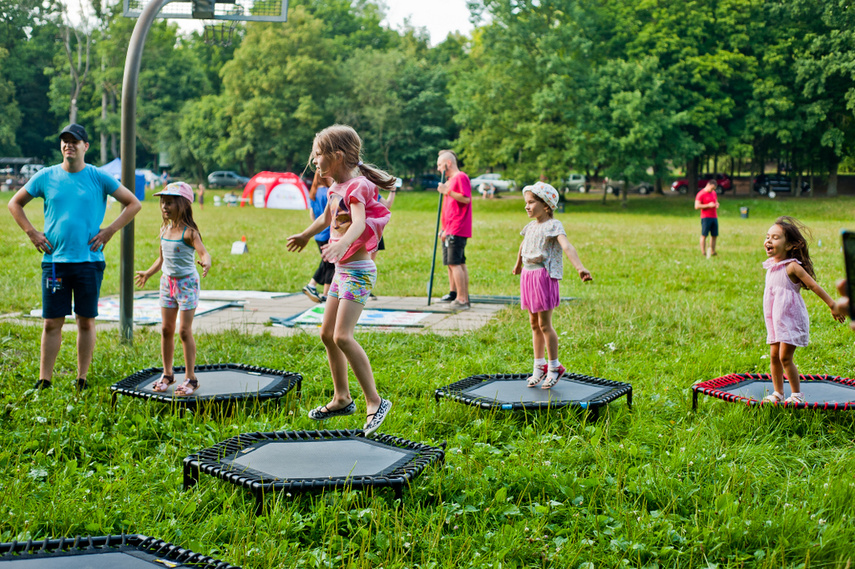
29	170
494	180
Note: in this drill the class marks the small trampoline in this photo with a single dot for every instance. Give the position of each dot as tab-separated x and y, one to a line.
825	392
218	383
509	392
104	552
312	461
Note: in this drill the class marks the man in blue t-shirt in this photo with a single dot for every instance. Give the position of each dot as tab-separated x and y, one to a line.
75	199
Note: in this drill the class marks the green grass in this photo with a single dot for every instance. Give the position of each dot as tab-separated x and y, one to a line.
658	486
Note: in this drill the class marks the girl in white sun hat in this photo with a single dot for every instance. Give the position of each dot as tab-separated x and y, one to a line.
540	263
180	241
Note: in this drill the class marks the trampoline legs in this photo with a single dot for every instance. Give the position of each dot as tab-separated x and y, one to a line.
629	398
694	400
191	475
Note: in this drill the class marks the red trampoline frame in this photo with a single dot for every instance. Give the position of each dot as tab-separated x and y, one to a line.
713	387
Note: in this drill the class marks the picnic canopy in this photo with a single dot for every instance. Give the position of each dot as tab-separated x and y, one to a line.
279	190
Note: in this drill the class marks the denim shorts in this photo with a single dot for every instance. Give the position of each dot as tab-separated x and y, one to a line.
62	281
354	281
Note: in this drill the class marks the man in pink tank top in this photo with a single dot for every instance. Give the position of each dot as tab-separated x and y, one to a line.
456	227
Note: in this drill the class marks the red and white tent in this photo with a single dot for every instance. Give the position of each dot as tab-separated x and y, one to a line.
279	190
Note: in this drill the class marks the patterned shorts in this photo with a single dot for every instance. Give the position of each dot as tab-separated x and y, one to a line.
354	281
179	292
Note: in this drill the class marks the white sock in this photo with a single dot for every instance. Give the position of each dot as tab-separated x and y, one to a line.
538	368
554	366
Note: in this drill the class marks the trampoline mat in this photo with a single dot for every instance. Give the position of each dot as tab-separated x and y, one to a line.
335	458
814	391
519	392
94	560
214	382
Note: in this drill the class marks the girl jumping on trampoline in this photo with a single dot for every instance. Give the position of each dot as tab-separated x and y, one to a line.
788	270
540	263
180	241
356	219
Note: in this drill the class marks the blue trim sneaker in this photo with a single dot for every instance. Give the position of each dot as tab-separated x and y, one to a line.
321	413
312	293
374	420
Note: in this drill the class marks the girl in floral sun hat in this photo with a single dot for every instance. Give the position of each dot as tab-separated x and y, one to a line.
540	263
180	241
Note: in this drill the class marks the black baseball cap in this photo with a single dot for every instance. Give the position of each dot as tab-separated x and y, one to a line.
77	131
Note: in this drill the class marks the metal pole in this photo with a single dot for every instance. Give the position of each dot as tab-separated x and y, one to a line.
435	240
129	161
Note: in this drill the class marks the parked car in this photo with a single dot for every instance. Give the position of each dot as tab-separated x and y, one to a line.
29	170
576	183
615	186
426	181
495	180
774	184
725	184
226	179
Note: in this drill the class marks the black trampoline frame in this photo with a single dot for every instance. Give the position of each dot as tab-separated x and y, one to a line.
711	388
289	381
66	547
456	392
208	461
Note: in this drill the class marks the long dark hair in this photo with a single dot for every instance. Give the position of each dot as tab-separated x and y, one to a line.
185	215
795	232
342	138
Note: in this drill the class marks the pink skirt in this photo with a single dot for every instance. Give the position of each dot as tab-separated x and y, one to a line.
538	291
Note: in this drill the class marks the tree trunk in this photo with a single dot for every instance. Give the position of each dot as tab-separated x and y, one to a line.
692	175
114	149
103	117
832	176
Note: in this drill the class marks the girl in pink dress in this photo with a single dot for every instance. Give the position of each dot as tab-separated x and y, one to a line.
540	263
788	270
356	219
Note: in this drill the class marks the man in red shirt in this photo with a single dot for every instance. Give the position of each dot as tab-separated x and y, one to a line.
707	202
456	227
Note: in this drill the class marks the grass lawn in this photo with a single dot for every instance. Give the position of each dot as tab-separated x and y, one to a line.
658	486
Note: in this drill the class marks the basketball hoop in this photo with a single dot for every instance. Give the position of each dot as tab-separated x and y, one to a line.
219	32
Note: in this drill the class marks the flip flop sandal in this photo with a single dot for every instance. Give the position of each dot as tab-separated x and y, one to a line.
187	388
164	382
322	412
81	383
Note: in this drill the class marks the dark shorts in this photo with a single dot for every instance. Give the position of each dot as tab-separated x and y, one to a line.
709	226
326	271
62	281
454	250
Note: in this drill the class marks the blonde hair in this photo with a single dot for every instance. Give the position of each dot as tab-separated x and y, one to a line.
342	138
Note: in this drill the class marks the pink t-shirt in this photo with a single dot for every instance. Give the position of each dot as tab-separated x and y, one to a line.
457	217
377	215
707	198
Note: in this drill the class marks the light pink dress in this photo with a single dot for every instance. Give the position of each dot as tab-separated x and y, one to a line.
783	306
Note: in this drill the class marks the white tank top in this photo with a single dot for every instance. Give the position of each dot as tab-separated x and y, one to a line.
178	257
